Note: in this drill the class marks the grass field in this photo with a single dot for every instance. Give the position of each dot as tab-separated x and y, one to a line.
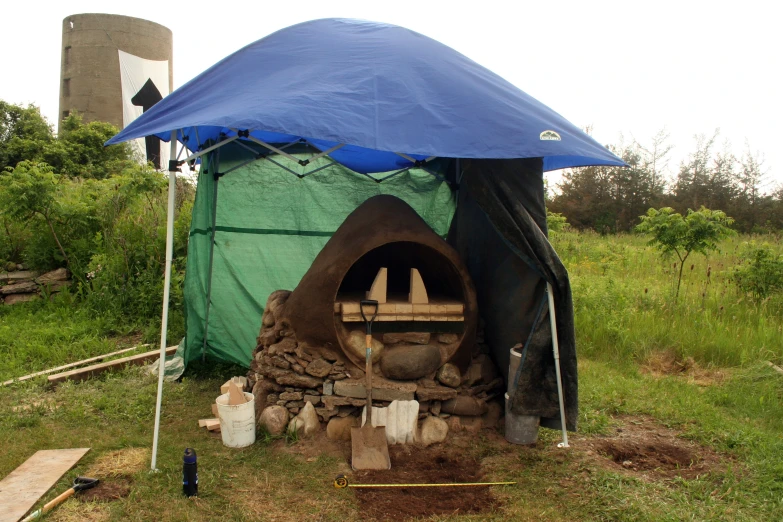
695	367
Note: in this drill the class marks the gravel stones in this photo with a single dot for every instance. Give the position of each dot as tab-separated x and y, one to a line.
274	419
448	338
433	430
408	338
357	345
464	405
481	371
286	345
410	362
306	422
469	424
436	393
19	288
339	428
492	417
290	396
382	390
318	368
449	375
287	378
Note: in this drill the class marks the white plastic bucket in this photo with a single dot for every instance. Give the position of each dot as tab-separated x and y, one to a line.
237	423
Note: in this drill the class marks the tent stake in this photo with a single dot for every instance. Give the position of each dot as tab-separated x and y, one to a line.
553	324
166	291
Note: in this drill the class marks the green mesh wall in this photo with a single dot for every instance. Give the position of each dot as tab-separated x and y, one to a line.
269	227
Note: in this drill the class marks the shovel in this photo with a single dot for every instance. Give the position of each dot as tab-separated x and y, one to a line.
80	484
368	445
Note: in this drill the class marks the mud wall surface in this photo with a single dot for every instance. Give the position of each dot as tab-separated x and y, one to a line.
381	220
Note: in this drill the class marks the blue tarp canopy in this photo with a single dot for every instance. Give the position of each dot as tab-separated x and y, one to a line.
376	89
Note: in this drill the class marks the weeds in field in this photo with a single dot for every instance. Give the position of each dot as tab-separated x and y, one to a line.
624	306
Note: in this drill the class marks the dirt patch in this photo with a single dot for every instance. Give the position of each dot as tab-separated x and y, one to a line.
414	465
107	490
665	363
310	448
643	446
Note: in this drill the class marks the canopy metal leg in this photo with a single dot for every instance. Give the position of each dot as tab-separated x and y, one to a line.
553	324
164	323
216	177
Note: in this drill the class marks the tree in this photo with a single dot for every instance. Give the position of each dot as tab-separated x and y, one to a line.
656	161
608	199
77	151
29	191
698	231
24	134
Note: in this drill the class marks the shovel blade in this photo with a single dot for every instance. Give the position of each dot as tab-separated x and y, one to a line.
369	449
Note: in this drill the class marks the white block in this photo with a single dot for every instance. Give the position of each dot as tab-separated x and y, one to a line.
400	419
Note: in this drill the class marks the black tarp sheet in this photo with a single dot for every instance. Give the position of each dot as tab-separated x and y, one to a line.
499	230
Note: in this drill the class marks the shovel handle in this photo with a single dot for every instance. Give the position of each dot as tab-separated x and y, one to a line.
368	353
368	321
62	497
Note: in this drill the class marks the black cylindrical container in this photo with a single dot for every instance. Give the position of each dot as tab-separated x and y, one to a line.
189	473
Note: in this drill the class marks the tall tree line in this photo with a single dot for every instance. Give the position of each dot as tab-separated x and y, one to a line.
611	199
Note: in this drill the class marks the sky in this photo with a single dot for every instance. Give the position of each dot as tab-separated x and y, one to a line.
625	69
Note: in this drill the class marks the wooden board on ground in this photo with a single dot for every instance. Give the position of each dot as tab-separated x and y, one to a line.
214	410
213	424
89	371
22	488
203	423
97	358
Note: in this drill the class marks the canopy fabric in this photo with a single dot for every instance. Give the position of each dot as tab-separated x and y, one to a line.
377	89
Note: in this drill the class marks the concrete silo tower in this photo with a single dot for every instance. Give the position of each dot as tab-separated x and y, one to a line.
113	68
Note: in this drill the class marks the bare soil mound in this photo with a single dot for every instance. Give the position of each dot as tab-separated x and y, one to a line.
107	490
423	466
642	445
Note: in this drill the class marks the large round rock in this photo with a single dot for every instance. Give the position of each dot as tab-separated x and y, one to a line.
410	361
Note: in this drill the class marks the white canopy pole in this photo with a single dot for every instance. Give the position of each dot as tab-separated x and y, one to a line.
164	323
555	347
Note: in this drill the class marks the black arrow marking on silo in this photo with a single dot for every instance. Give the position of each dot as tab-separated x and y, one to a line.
148	96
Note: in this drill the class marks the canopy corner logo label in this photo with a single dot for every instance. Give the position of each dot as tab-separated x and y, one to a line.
549	135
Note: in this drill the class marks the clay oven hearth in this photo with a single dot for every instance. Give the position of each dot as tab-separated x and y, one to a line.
312	344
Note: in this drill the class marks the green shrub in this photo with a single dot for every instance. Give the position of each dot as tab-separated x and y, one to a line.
760	272
556	222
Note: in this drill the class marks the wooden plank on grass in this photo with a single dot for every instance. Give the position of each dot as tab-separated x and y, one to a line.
95	369
775	367
73	364
22	488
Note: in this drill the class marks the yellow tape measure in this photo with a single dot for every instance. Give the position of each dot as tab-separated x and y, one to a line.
341	481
